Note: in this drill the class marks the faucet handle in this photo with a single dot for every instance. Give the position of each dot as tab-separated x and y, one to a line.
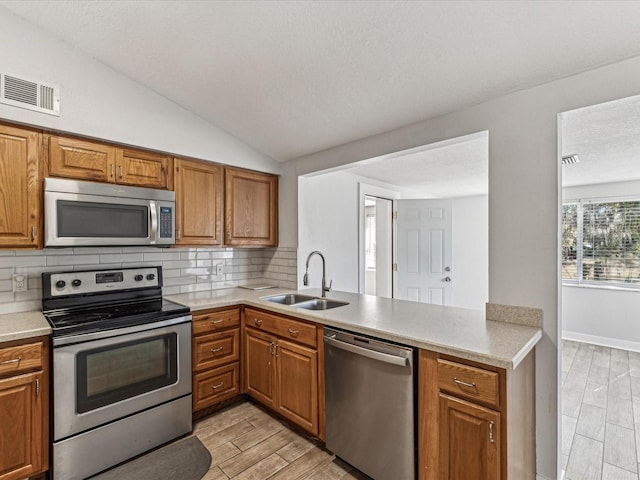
330	284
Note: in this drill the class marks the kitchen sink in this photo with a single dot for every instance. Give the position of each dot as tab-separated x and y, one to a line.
307	302
288	298
320	304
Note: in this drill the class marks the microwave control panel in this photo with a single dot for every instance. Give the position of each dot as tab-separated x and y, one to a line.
166	223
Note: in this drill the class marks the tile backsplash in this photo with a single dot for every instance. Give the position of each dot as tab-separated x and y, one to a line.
184	269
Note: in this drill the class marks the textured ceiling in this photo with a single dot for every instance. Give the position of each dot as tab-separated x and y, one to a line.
606	138
295	77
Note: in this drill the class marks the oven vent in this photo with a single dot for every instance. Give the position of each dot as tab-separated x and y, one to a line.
28	94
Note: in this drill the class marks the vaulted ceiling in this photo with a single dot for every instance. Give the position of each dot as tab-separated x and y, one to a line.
295	77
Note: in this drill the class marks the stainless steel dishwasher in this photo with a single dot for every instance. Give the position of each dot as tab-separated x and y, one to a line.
370	404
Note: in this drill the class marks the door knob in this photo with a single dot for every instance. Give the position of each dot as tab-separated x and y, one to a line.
447	279
447	269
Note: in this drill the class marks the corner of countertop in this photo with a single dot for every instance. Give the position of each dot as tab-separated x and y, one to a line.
528	316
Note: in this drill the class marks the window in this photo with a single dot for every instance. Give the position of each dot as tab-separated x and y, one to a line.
601	243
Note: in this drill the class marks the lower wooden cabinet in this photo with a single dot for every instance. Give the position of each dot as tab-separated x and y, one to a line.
281	373
475	421
215	351
24	406
469	440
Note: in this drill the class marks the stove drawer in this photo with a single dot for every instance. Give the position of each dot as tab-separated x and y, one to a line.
20	358
216	349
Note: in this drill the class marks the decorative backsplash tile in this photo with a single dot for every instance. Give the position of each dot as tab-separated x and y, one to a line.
184	269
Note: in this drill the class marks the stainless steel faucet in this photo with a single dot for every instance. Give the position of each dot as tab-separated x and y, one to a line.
305	279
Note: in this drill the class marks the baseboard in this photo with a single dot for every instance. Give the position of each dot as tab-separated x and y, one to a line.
603	341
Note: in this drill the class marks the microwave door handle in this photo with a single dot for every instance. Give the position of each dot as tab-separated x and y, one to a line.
153	216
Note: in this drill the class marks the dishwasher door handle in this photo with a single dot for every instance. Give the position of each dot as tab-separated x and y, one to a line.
365	352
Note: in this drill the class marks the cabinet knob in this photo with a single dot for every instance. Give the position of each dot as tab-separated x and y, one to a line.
15	360
464	384
216	322
215	387
112	170
293	333
257	321
491	439
121	171
216	350
33	232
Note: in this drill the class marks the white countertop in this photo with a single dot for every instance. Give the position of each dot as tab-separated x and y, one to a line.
18	326
456	331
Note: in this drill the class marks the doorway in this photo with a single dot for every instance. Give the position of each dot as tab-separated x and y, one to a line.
378	246
600	264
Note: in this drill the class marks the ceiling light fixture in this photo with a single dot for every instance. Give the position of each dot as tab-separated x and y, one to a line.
570	159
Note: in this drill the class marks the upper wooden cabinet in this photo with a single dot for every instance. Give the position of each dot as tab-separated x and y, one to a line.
100	162
20	188
198	187
251	208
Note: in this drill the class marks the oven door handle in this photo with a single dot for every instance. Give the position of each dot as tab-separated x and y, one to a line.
153	219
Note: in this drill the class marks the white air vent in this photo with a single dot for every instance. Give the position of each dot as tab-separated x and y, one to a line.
28	94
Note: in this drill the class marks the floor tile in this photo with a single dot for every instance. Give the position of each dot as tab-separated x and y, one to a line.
571	401
620	448
611	472
568	431
599	374
585	459
595	395
591	422
620	412
620	386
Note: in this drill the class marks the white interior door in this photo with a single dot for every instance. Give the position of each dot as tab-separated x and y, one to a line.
424	251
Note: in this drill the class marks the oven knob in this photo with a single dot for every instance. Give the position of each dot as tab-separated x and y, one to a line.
76	282
138	278
151	276
60	284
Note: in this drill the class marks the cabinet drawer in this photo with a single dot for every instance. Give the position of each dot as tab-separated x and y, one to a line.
213	321
216	349
300	332
469	382
215	385
21	358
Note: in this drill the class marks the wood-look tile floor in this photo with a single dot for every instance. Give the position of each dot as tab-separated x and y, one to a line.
600	412
246	443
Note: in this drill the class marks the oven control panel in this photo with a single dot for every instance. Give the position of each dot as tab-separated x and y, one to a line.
96	281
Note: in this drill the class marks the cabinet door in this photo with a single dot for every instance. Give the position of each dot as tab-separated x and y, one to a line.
251	208
469	441
20	187
259	367
71	158
198	187
21	426
142	169
297	384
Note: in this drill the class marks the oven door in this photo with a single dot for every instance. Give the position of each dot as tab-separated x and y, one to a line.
98	381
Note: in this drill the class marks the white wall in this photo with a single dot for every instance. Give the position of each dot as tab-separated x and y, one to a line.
470	257
99	102
329	224
524	203
603	316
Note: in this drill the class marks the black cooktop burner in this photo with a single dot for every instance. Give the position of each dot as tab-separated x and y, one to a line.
99	318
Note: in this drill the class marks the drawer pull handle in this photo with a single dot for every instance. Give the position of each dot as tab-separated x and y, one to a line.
15	360
464	384
491	439
257	321
293	333
215	322
215	387
216	350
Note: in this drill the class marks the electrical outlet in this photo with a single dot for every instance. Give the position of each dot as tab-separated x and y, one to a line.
219	269
19	282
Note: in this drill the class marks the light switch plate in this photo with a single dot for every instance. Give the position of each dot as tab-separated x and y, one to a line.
19	282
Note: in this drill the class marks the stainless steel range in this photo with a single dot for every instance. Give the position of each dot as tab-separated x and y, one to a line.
121	367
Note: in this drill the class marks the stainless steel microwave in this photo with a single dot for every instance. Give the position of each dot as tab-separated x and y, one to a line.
81	214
